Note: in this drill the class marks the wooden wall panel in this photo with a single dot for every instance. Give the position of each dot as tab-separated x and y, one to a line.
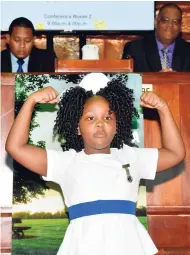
7	117
162	183
5	231
168	202
185	129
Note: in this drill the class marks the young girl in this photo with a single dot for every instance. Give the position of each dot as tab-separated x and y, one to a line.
98	170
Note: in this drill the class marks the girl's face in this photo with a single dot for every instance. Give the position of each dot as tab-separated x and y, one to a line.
97	126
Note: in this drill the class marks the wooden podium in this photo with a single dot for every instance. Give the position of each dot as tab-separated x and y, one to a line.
168	196
72	66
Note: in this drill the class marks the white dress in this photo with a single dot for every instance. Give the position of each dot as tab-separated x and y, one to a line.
85	178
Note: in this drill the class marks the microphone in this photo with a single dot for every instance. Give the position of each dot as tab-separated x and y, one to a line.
129	177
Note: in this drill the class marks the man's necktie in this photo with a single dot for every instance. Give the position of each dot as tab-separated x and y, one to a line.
20	62
164	58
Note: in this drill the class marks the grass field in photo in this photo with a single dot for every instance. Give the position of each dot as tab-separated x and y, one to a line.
44	237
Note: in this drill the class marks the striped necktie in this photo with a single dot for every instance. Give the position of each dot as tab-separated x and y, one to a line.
164	58
20	62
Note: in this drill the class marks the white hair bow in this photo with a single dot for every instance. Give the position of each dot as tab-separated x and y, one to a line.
94	82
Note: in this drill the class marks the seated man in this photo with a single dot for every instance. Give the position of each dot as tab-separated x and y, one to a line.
21	55
164	50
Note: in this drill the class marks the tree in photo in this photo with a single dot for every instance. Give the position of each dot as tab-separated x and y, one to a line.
27	184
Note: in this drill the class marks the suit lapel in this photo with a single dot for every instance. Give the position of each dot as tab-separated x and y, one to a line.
31	63
34	64
152	54
179	56
7	65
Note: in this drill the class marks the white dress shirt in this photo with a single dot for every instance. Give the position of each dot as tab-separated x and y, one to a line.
15	64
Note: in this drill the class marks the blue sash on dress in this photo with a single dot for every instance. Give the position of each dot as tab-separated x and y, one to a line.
101	207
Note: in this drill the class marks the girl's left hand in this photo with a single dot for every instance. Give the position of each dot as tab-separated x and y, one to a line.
153	101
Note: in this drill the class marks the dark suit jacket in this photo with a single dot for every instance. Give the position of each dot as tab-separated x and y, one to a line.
39	61
146	56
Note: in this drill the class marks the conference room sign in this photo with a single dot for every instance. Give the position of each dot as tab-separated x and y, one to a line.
81	15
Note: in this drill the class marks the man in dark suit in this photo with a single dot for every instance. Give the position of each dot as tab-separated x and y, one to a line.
164	50
21	55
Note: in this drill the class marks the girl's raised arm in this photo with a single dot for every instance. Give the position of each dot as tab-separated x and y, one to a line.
173	149
30	156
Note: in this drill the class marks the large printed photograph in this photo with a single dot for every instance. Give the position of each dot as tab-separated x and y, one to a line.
40	217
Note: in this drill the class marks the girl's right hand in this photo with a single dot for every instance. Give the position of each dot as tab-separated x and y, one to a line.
47	95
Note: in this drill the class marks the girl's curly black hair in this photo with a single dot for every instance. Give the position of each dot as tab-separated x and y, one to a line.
71	106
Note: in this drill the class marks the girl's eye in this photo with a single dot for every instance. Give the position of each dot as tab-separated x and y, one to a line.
90	118
108	118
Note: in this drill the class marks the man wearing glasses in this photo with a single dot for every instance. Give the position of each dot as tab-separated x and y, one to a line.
164	50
